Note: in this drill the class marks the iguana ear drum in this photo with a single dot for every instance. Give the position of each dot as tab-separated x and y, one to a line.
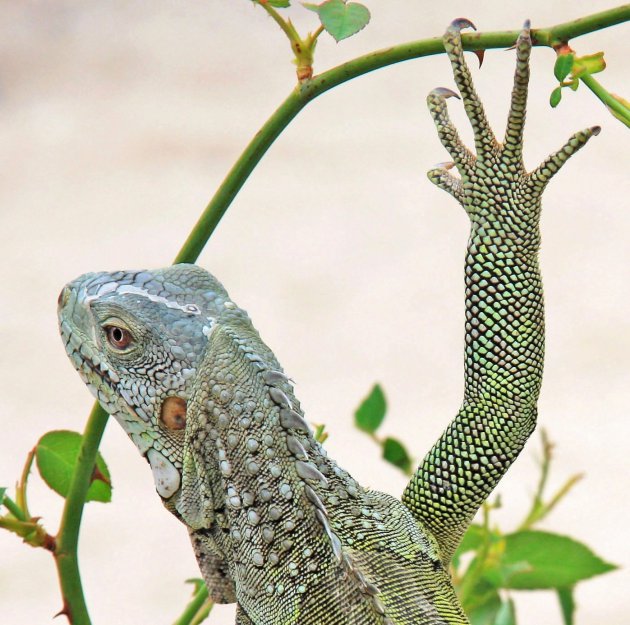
173	413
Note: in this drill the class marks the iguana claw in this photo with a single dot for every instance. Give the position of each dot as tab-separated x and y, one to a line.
461	23
444	92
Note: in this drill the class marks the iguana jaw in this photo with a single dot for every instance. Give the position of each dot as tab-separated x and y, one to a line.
76	324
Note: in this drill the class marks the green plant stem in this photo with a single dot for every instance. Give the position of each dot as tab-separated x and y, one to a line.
13	508
192	609
203	613
606	97
597	21
286	27
309	90
20	495
66	557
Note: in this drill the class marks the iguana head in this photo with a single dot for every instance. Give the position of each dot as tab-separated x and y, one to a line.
137	339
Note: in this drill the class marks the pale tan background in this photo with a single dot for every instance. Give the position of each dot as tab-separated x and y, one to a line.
119	119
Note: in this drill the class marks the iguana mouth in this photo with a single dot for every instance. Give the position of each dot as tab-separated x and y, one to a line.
85	360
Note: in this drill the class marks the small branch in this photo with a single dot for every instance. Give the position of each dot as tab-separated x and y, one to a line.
317	33
192	609
13	508
286	27
203	613
302	48
607	98
563	491
20	494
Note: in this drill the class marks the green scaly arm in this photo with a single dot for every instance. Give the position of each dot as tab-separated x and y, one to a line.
504	302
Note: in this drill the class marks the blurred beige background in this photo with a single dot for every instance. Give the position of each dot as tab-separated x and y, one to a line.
119	119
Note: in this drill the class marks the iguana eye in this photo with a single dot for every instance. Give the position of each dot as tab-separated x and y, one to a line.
118	338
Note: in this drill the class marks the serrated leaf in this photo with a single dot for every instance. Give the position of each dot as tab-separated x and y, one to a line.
556	96
555	561
567	605
506	614
395	453
341	19
370	414
56	454
563	65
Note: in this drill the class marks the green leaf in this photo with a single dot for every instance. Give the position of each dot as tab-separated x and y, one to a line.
2	491
395	453
556	96
341	19
590	64
567	604
563	65
56	454
279	4
555	561
501	572
506	614
486	610
473	538
370	414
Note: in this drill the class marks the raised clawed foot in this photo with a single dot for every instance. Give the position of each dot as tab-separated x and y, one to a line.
499	164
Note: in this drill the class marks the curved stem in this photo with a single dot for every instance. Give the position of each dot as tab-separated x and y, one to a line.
321	83
66	556
66	559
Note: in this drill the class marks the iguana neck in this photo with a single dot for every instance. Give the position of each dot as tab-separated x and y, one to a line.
272	483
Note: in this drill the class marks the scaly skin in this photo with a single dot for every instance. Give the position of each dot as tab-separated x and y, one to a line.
277	526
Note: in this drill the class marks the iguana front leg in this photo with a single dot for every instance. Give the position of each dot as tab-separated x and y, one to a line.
504	301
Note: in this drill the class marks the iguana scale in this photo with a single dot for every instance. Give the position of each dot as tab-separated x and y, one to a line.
276	525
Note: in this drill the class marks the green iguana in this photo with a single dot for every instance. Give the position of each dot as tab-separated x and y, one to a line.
276	525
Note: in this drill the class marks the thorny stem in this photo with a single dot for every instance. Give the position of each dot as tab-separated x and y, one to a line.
304	93
66	558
